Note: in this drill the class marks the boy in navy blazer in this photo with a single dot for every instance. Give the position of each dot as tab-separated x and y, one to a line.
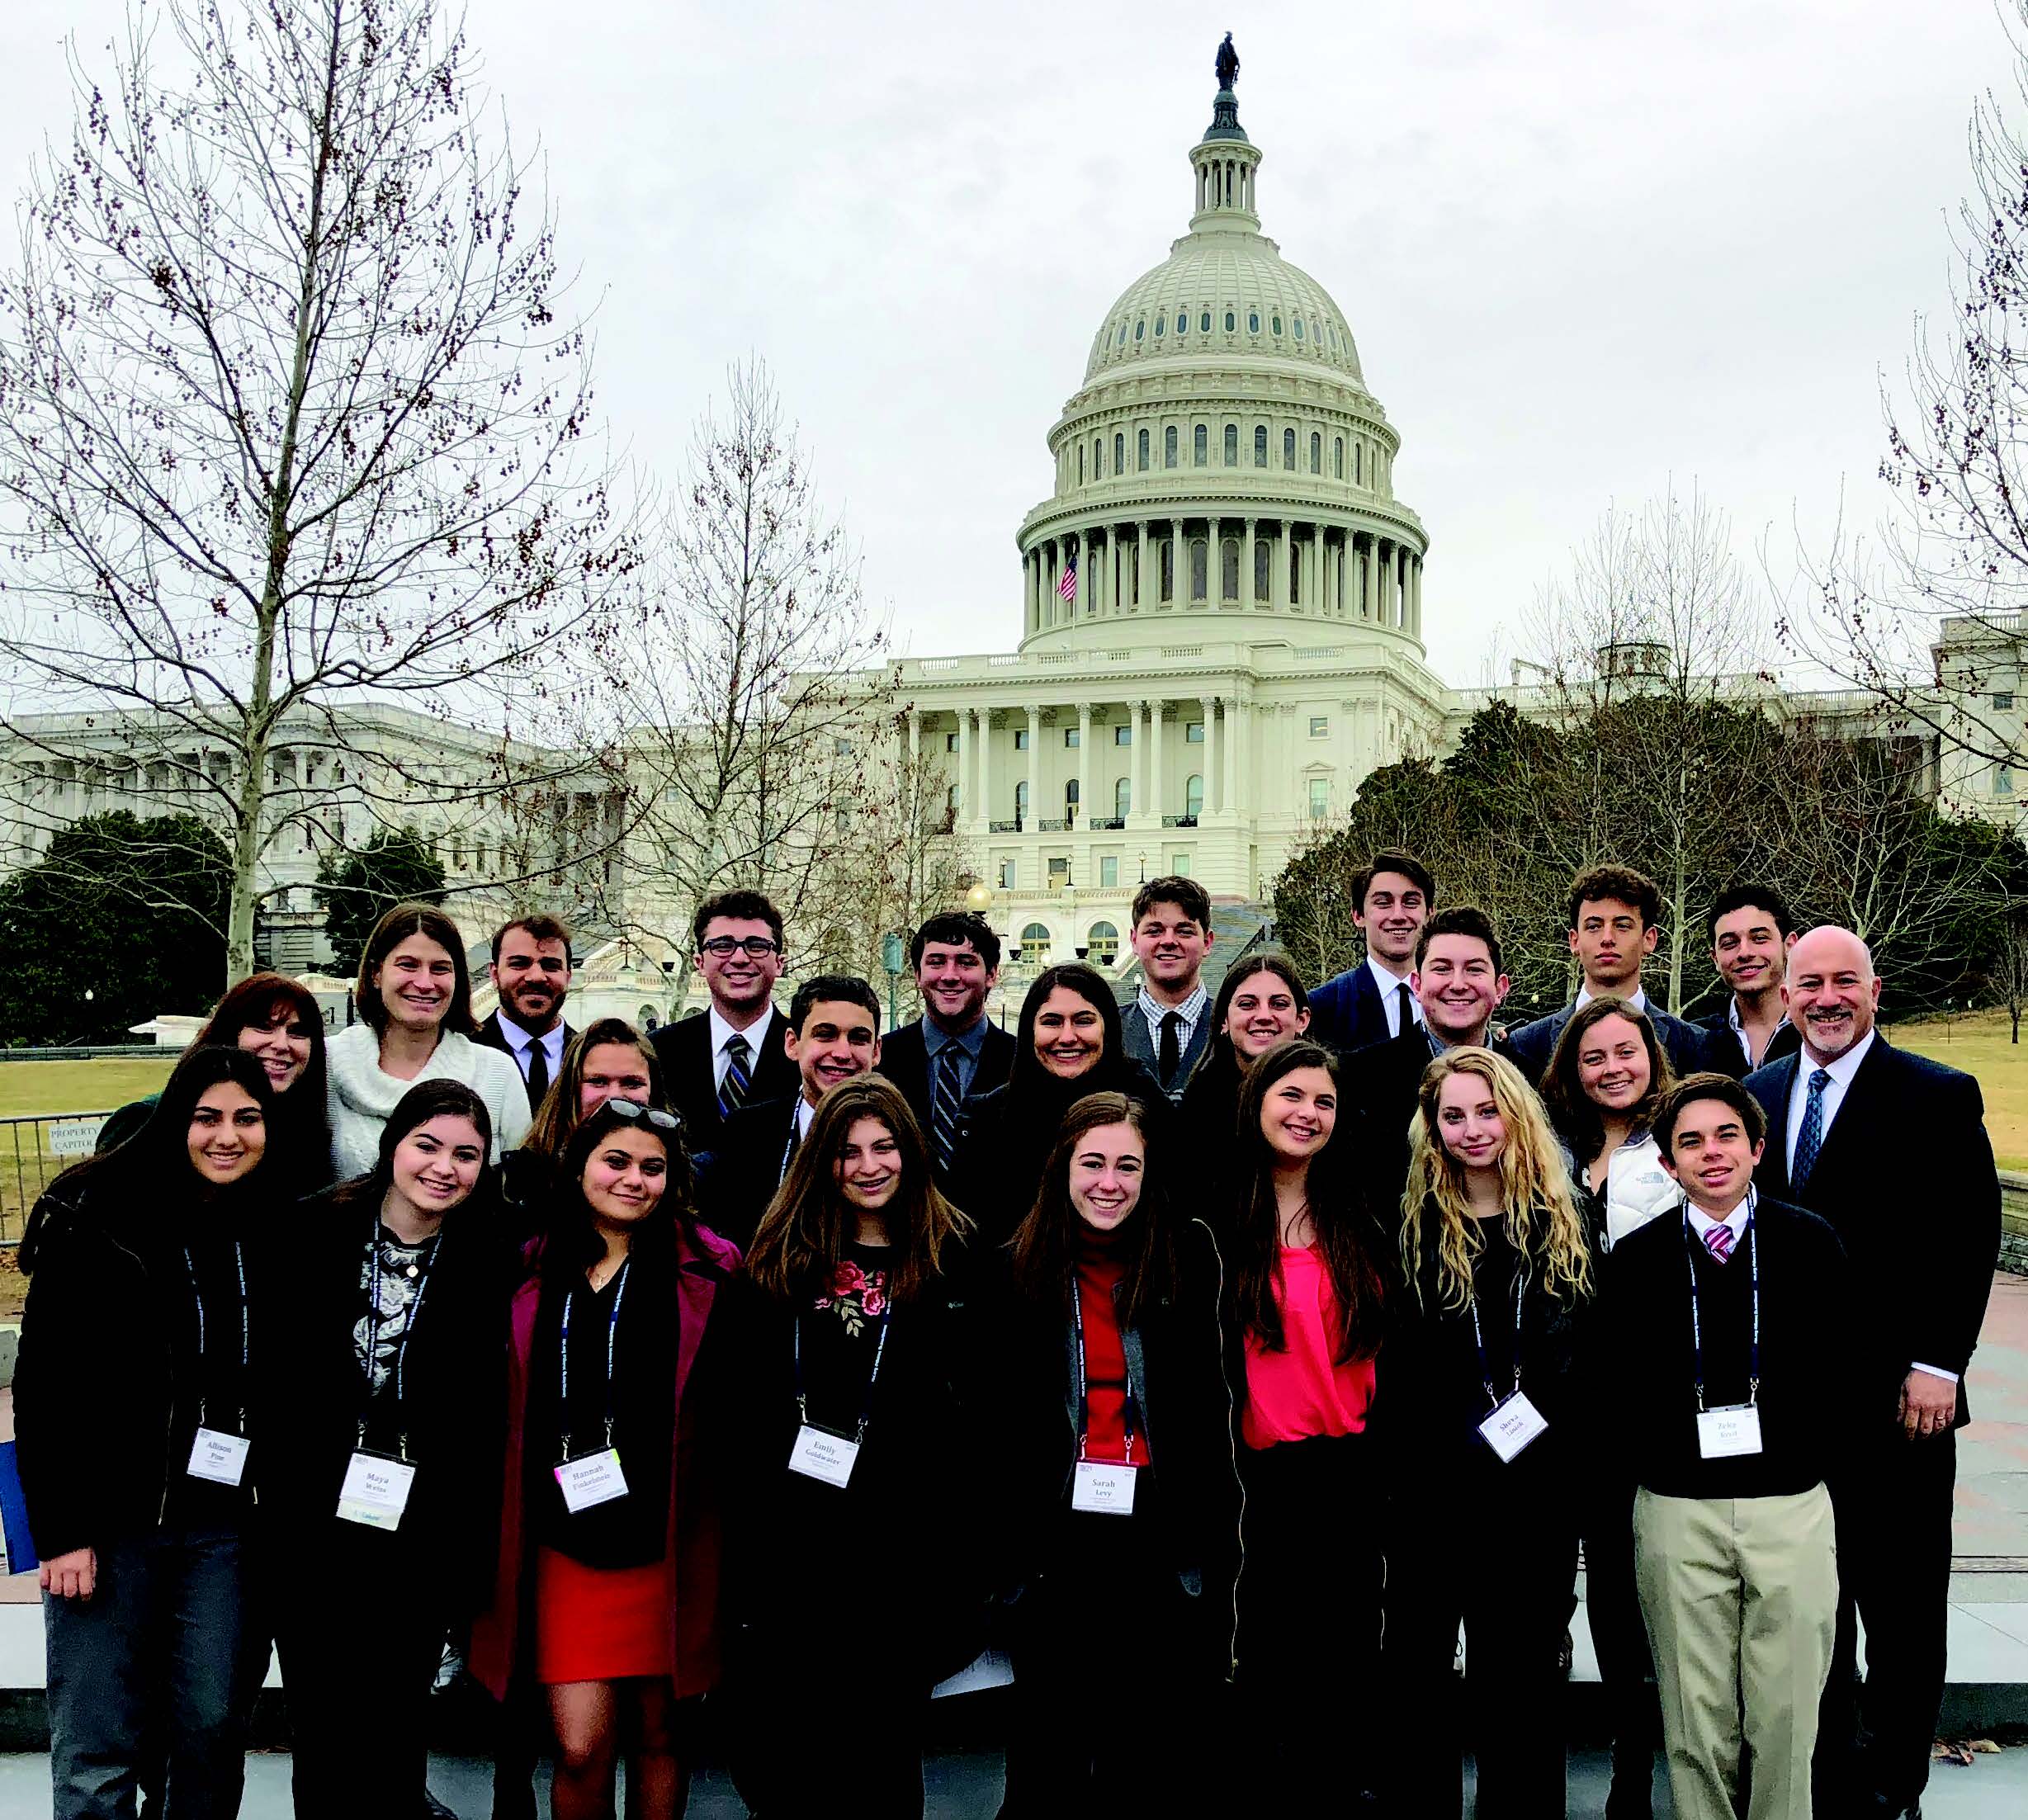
1366	1004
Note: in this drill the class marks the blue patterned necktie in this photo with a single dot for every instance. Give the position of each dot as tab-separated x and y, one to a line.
738	1078
1810	1139
944	1107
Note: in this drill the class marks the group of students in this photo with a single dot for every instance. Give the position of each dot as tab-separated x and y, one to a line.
1217	1357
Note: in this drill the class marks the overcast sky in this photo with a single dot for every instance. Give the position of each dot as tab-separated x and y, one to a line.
1584	244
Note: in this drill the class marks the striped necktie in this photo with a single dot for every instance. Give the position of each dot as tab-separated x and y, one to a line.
733	1089
944	1106
1719	1241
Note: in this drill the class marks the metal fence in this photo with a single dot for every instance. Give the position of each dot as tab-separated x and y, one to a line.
34	1151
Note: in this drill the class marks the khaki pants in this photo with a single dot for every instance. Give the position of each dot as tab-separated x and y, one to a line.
1741	1599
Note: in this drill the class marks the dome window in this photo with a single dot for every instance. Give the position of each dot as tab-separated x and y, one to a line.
1299	328
1337	458
1288	449
1161	326
1261	444
1317	452
1200	446
1317	334
1231	322
1183	322
1123	334
1140	329
1278	325
1231	445
1119	453
1141	449
1203	323
1169	446
1253	322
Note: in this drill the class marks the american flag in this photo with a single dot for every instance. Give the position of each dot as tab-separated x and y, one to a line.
1067	587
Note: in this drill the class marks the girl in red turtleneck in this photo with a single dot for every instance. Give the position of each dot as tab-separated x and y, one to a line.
1124	1475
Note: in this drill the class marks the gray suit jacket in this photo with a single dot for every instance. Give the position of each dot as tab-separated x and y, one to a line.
1139	1043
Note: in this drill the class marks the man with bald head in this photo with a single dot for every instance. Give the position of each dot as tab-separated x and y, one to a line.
1892	1149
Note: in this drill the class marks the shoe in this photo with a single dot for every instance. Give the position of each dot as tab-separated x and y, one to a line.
434	1809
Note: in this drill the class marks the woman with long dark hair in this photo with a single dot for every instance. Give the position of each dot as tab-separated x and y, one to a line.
605	1594
609	1059
414	997
387	1418
278	1021
859	1469
1261	1001
1125	1476
139	1446
1067	1043
1307	1298
1483	1415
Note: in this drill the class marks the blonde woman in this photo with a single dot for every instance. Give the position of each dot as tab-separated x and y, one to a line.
1476	1388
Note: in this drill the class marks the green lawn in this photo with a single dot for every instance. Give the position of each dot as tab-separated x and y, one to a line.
30	1087
1979	1044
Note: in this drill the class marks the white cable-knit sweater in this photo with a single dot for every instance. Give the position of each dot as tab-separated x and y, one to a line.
362	1095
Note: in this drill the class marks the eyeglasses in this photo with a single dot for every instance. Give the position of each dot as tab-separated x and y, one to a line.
633	1109
758	946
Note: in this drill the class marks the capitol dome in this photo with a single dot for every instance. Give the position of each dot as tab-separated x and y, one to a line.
1223	455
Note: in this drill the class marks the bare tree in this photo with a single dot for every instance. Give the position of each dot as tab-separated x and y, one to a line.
290	427
758	756
1927	616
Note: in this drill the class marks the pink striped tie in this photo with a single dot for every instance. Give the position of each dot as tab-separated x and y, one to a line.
1718	1241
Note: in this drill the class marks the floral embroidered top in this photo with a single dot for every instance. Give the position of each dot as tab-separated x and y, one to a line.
838	1352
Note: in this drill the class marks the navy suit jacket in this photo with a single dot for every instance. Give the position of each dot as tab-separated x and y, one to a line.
1346	1012
737	1178
1690	1049
1786	1041
690	1078
1139	1044
1906	1177
905	1059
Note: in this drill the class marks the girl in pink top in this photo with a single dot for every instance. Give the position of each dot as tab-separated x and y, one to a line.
1306	1295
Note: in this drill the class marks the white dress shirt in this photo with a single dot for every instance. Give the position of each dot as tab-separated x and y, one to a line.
1637	998
519	1042
1190	1010
722	1034
1390	996
1701	1222
1741	1036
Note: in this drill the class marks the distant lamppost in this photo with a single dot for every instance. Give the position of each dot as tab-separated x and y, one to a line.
891	957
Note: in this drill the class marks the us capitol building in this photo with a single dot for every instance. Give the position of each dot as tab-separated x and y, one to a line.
1222	620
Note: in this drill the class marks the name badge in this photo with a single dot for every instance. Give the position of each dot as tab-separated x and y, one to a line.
218	1456
1106	1486
1513	1426
1723	1433
819	1455
375	1491
592	1479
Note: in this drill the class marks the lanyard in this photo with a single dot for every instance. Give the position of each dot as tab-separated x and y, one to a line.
401	1346
866	1403
1697	1337
1478	1339
612	1328
203	1401
1084	1408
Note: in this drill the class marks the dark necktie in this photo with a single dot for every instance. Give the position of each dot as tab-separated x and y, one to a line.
1172	1047
1406	999
538	1074
732	1091
1810	1139
943	1103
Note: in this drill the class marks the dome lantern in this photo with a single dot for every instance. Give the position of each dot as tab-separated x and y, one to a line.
1225	160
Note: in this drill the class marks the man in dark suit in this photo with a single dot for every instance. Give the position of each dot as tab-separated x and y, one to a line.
953	1048
1614	924
1751	930
1169	1026
833	1034
1391	899
531	972
716	1060
1891	1149
1459	983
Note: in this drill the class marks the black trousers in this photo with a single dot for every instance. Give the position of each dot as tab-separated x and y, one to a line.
1116	1666
1619	1639
1513	1598
360	1637
1312	1572
1893	1516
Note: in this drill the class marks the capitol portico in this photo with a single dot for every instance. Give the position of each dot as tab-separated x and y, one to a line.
1221	597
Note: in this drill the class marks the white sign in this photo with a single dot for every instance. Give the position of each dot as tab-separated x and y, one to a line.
75	1136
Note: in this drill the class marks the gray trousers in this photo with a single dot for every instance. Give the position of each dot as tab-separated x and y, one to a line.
155	1675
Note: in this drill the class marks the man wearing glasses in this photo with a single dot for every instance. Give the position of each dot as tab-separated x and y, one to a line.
731	1054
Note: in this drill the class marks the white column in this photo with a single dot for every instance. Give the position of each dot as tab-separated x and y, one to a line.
1235	736
1154	761
1035	765
1141	574
1085	810
985	766
915	735
1214	795
1247	567
1137	770
1178	568
1417	571
966	807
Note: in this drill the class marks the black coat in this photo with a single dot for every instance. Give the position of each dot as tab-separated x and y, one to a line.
1786	1041
1381	1083
1905	1180
1690	1048
737	1180
905	1059
489	1035
1181	1382
689	1073
104	1403
453	1381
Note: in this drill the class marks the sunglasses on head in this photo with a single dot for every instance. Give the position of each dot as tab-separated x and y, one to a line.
653	1115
